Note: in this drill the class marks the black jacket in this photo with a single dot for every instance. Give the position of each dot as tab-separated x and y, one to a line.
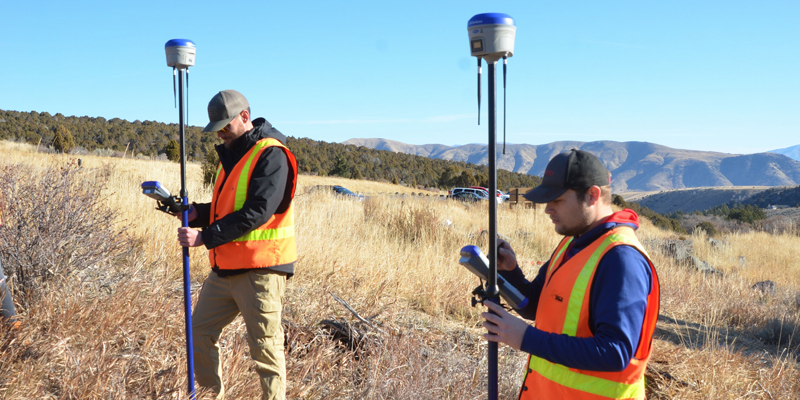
269	192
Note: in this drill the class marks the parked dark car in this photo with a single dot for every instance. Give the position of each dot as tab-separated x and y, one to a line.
346	192
467	197
340	190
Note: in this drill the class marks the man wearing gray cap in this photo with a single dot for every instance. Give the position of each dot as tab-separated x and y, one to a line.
248	229
595	302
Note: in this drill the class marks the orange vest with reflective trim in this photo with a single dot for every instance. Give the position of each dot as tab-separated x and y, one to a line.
269	245
564	309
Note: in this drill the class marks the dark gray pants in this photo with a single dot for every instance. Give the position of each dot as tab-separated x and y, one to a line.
7	304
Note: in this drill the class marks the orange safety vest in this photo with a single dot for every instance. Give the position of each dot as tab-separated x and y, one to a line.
269	245
564	309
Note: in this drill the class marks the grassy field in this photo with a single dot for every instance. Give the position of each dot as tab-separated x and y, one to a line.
116	330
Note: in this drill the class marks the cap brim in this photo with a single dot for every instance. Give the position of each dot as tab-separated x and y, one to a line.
544	194
217	125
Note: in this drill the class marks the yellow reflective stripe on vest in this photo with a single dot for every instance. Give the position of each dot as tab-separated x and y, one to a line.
558	254
267	234
590	384
579	289
582	283
244	176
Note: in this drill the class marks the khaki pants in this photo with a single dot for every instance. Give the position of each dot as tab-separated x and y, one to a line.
258	296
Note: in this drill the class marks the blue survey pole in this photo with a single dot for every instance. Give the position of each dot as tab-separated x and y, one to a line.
180	56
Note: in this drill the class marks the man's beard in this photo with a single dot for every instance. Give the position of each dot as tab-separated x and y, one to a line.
579	229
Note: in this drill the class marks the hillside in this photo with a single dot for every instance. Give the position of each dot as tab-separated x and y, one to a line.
779	196
149	139
700	199
792	152
635	166
693	199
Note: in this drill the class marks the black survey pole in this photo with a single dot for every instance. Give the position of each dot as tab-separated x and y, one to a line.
182	131
492	292
491	37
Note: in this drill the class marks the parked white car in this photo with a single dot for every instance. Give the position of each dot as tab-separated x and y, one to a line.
503	196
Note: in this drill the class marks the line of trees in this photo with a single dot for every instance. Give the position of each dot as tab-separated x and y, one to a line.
359	162
746	213
776	196
151	139
148	138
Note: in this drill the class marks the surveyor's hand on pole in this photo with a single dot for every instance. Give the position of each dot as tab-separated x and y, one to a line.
189	237
192	214
506	258
502	326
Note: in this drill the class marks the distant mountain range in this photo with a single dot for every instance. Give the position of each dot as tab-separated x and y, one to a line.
792	152
635	166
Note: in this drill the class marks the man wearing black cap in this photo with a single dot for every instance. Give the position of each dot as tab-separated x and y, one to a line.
248	229
595	302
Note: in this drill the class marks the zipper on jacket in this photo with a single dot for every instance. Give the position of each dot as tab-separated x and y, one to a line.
564	260
221	186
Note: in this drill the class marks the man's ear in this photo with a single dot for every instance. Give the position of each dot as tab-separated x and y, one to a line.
245	116
593	195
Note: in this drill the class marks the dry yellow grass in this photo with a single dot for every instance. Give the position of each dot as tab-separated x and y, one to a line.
394	260
368	188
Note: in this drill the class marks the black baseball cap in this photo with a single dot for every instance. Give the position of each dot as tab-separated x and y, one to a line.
576	169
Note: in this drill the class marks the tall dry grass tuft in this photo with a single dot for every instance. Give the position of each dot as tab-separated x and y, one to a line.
410	221
393	260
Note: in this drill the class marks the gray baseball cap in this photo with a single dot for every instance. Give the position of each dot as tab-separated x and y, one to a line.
223	108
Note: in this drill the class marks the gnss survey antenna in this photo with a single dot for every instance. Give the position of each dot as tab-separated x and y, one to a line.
180	56
491	37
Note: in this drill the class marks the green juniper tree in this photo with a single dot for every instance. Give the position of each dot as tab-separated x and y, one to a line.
63	142
173	150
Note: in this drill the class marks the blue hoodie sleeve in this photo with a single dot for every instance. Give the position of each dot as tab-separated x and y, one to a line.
530	290
618	302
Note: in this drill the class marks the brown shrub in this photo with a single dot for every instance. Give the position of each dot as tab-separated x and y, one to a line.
56	223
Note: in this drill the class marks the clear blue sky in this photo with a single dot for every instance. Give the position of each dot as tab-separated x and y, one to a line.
704	75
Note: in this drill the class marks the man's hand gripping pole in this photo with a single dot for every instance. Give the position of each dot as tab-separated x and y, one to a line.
475	261
166	201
